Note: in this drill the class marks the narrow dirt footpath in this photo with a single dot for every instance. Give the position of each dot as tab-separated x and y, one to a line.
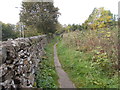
64	81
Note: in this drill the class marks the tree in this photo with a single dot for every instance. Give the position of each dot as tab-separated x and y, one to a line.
99	18
59	28
40	15
8	31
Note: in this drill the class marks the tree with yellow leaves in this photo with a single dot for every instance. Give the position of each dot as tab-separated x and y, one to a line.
99	18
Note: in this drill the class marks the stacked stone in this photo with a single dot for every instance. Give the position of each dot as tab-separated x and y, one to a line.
19	59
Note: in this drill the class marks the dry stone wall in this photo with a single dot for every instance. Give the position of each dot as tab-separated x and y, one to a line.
19	61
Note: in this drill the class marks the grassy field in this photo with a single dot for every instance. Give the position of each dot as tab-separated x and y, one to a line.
90	58
46	74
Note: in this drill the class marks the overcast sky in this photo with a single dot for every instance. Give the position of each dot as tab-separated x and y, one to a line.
72	11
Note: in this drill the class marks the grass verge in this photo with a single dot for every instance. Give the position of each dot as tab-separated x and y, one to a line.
84	70
46	75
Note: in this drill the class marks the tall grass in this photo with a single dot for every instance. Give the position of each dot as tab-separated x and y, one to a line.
90	58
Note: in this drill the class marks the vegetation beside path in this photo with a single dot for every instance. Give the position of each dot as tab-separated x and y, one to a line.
46	74
90	58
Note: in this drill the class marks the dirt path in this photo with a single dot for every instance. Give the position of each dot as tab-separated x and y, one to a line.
64	81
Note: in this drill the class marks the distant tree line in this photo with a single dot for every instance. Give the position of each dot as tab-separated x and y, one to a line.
99	18
7	31
73	27
42	18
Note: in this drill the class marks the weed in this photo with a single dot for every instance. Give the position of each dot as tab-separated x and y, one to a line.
89	58
46	74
